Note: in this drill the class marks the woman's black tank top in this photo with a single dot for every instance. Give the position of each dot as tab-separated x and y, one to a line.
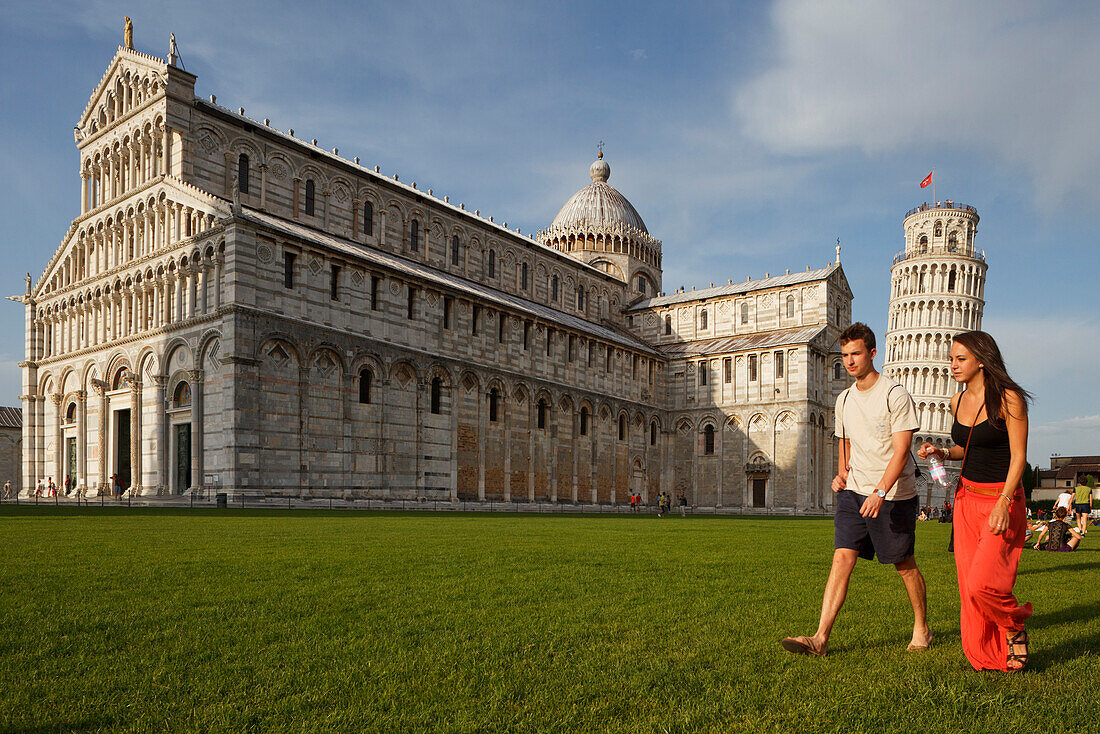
988	457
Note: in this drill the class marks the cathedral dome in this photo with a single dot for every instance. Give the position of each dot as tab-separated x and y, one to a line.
598	204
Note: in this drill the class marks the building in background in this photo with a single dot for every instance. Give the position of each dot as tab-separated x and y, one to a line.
11	442
1066	472
237	308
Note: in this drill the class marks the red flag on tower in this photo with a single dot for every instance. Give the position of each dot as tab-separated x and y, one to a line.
927	179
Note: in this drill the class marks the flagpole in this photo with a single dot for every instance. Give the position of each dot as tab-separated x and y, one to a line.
934	203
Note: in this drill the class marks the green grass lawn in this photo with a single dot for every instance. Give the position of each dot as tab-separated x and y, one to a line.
149	620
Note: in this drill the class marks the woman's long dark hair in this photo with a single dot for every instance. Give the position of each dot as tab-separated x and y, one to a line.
997	381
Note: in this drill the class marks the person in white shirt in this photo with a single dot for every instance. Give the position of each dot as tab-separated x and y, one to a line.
876	508
1065	499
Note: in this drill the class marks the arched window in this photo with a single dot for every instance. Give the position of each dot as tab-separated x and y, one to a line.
923	243
668	324
242	173
542	413
641	285
790	307
703	319
837	370
414	235
652	434
744	313
523	276
584	420
364	386
181	397
554	288
437	395
492	263
952	242
951	282
708	440
938	232
455	250
310	197
622	427
494	404
368	218
580	297
70	413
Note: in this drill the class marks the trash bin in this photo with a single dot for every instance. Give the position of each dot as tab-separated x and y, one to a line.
221	499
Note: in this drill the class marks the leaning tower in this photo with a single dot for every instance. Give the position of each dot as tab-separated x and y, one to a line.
937	290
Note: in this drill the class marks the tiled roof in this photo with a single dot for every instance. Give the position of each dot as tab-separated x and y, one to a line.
1070	471
445	280
746	342
11	417
748	286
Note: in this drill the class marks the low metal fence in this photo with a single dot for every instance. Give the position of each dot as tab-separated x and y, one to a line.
264	502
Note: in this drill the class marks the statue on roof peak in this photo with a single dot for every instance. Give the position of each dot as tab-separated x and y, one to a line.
128	33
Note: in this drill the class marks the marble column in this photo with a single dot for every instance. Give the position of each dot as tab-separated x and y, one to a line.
102	439
81	439
135	435
160	464
196	377
177	286
219	262
58	446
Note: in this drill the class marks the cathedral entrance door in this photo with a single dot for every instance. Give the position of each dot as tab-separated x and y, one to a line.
122	447
70	460
759	487
182	473
637	483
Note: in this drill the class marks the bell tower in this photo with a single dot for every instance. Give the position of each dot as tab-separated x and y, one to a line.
937	290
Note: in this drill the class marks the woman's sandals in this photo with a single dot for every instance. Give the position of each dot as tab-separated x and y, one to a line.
1017	661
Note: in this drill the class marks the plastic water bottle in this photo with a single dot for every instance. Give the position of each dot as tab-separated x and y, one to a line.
937	470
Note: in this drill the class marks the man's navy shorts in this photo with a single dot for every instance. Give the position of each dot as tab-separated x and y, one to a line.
891	536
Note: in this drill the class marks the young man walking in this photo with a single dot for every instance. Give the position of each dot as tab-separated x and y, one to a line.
876	507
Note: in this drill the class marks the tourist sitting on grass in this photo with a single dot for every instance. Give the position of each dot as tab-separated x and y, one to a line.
1059	536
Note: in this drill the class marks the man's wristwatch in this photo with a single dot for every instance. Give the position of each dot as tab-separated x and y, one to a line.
881	493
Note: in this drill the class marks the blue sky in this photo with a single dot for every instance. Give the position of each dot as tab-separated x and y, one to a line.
749	136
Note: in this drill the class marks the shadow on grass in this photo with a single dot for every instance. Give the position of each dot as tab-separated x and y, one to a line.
1050	569
1044	656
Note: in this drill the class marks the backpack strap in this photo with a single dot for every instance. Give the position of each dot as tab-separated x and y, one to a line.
890	413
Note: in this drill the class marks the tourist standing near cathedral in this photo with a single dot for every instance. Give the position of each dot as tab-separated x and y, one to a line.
990	515
876	509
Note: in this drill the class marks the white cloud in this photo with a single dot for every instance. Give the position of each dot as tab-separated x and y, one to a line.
984	75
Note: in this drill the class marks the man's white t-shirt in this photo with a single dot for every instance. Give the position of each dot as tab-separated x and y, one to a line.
865	418
1065	499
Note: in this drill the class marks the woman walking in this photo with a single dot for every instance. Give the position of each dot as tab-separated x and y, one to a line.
990	436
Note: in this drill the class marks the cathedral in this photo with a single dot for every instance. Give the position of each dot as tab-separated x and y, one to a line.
236	309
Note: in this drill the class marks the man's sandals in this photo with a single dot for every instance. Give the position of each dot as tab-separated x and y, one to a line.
802	646
1017	661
